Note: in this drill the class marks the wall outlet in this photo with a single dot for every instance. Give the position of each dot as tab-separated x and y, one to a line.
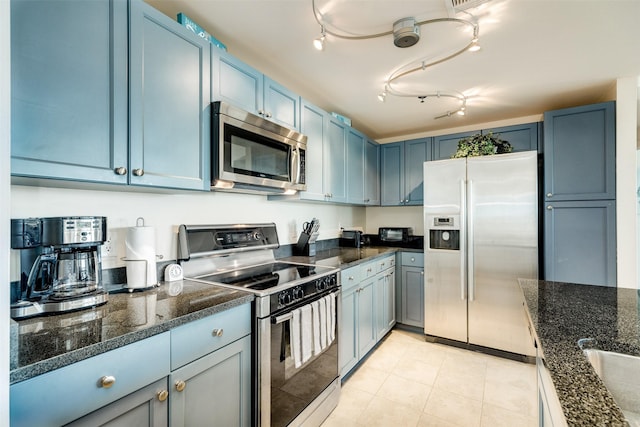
107	248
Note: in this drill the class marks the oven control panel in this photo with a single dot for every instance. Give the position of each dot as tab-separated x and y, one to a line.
303	291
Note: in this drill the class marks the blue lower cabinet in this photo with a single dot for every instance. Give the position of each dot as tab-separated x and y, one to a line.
70	393
580	242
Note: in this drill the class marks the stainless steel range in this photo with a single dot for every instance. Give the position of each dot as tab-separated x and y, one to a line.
296	324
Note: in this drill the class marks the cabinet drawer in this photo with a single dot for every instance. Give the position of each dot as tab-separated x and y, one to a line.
413	259
63	395
350	277
369	269
196	339
385	263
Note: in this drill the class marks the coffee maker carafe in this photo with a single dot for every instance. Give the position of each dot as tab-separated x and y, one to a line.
61	264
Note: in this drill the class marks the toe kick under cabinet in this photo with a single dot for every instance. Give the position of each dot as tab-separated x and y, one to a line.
190	375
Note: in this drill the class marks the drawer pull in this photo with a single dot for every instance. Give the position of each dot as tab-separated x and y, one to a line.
120	170
180	385
350	278
217	332
413	259
162	395
138	172
107	381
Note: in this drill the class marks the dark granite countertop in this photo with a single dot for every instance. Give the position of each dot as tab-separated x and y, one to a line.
349	257
563	313
42	344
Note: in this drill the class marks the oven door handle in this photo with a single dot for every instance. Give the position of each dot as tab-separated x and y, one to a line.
282	318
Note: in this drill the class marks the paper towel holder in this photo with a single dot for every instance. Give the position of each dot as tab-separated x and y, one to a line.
125	259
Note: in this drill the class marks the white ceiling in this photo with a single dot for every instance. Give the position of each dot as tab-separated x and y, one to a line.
536	55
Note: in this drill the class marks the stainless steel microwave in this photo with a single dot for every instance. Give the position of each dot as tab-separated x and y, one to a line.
254	155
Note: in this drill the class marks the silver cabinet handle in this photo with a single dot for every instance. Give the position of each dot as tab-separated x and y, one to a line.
261	112
550	207
350	278
268	115
413	259
549	194
107	381
422	273
120	170
138	172
217	332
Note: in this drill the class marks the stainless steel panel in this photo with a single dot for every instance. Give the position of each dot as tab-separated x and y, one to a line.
503	246
445	278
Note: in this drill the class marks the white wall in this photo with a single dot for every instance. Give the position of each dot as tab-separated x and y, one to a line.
626	204
166	212
5	135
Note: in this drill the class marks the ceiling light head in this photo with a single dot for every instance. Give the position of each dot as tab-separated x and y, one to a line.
318	43
382	97
474	46
406	32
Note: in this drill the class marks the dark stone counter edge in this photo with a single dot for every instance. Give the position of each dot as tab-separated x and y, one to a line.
573	377
60	361
30	371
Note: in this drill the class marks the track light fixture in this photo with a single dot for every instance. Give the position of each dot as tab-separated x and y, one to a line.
318	43
406	33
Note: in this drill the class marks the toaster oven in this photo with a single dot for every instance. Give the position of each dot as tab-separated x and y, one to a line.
394	234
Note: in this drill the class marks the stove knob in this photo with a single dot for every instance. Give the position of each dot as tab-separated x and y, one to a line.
333	280
321	284
298	293
284	298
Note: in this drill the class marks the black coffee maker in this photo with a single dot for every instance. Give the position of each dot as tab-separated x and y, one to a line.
61	265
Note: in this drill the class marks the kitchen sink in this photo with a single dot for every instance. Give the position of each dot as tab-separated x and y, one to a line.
621	375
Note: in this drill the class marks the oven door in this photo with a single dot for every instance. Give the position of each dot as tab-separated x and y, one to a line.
291	388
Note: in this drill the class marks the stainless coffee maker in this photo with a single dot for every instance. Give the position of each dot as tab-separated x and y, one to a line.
61	267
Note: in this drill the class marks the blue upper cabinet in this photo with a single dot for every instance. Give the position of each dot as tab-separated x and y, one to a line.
371	173
523	137
445	146
239	84
334	161
579	153
169	102
69	90
401	172
355	171
391	174
416	152
235	82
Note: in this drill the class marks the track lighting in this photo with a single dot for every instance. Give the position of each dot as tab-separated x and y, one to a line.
406	33
318	43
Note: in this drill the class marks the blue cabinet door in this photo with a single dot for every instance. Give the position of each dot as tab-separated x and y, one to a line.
169	102
235	82
348	345
416	152
69	90
579	153
281	105
334	161
355	169
372	173
313	124
413	296
444	146
522	137
392	174
580	242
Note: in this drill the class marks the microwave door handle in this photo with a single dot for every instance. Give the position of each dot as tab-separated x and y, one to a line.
295	166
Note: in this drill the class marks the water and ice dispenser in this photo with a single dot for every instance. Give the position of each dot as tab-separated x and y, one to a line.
444	233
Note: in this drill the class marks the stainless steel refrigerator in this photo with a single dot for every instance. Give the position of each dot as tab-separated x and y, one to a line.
481	235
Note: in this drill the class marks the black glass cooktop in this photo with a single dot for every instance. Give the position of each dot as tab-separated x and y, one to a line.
264	276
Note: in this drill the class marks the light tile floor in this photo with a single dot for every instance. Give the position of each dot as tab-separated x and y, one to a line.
407	381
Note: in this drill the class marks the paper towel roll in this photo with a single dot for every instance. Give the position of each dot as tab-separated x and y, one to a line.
141	256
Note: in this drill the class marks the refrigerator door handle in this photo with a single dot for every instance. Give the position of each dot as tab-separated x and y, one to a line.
463	241
470	263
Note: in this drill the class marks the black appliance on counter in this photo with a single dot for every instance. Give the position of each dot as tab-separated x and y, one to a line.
293	387
61	264
351	239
